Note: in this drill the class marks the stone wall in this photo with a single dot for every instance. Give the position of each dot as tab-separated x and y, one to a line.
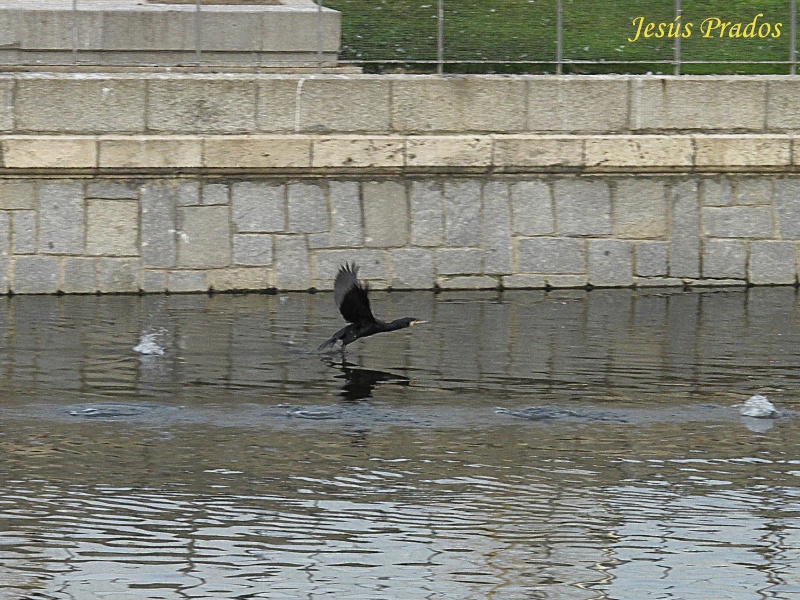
121	183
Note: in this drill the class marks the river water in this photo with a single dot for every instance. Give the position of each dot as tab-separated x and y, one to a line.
545	445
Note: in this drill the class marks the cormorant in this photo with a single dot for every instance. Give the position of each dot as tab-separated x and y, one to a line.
351	297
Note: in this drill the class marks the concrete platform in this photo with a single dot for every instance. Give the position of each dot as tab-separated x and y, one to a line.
133	33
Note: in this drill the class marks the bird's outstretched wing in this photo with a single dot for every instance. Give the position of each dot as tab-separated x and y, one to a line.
351	296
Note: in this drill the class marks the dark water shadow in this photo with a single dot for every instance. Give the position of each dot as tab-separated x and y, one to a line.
359	383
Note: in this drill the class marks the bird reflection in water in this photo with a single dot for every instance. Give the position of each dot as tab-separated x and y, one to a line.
360	382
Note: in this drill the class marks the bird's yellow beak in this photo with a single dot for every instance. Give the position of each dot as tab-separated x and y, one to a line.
416	323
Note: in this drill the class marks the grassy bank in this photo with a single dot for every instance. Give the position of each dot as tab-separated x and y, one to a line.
503	32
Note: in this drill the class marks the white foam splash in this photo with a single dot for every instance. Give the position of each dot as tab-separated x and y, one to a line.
149	345
758	406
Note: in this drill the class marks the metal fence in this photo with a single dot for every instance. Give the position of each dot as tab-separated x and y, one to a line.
444	36
559	36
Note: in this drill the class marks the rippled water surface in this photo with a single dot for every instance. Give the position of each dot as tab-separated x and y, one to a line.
522	445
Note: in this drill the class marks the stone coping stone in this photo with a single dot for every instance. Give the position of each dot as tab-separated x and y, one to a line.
110	32
387	154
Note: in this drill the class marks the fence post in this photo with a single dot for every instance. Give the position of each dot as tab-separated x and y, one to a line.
677	56
319	36
793	37
75	32
440	38
559	36
198	33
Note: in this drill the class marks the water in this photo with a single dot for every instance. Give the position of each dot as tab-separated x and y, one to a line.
563	445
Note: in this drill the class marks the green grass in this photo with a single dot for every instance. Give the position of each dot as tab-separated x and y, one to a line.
517	36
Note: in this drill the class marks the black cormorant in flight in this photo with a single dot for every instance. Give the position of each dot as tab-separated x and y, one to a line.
351	297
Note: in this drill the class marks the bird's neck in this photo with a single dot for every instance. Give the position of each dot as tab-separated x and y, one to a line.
394	325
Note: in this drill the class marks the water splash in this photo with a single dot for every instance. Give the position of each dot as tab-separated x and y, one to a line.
149	344
758	406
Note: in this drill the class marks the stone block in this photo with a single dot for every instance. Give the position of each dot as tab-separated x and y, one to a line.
7	107
532	208
524	282
385	214
214	193
35	275
516	152
112	190
205	237
258	207
372	262
597	104
567	281
61	219
496	228
292	263
17	195
112	228
346	222
79	275
240	278
724	259
727	151
308	208
427	213
49	152
752	191
783	112
738	221
344	104
358	152
787	207
459	261
277	103
640	208
716	191
187	193
698	103
257	152
159	230
638	151
716	283
187	281
154	282
252	249
551	256
141	34
684	252
412	268
468	282
115	275
5	244
317	241
772	262
658	282
583	206
467	103
610	263
462	212
651	259
23	226
80	104
448	151
150	152
195	105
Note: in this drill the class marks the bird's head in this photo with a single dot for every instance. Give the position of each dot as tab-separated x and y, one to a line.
408	322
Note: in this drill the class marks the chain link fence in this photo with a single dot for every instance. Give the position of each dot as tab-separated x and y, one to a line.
421	36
